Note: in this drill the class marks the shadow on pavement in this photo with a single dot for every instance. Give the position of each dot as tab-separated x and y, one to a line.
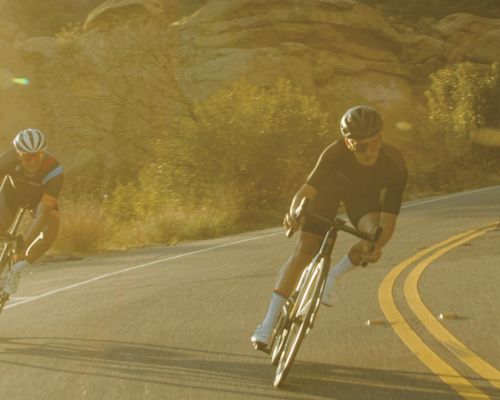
226	372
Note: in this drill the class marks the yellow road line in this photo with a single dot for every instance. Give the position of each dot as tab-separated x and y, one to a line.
444	371
415	302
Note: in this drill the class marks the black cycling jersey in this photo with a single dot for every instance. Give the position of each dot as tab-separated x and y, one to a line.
44	185
339	177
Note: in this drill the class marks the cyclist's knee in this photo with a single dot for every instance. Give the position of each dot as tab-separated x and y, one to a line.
355	257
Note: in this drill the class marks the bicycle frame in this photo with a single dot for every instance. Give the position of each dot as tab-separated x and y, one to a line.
296	322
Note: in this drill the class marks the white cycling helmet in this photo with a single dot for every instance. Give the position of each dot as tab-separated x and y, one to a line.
30	141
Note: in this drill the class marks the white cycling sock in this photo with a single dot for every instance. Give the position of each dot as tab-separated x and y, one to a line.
343	266
274	309
20	265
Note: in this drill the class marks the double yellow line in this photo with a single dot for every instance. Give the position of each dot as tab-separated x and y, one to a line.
410	338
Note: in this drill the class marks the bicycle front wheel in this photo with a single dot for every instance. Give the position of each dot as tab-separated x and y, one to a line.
300	319
278	339
281	331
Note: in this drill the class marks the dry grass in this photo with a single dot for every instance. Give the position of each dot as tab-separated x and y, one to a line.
82	228
86	229
172	226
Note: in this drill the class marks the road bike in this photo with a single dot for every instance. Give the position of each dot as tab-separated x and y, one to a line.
301	309
10	242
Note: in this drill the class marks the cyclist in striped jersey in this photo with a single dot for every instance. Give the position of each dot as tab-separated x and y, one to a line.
30	176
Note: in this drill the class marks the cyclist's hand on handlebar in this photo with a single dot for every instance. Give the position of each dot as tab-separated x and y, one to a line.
372	257
365	253
290	222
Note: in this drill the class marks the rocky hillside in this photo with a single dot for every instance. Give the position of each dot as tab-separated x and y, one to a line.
126	74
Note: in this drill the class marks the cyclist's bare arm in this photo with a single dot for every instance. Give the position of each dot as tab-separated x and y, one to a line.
305	191
388	224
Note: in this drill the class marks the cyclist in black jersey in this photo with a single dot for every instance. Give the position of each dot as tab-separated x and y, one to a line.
30	176
364	174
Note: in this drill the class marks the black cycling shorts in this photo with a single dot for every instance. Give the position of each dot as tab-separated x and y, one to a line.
332	193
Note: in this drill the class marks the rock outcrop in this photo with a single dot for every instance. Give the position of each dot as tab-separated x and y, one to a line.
341	51
471	37
114	11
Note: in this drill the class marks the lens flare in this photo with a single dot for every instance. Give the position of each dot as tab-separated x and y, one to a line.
404	126
21	81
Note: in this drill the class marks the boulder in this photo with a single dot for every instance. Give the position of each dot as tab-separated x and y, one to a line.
340	50
121	10
471	38
120	78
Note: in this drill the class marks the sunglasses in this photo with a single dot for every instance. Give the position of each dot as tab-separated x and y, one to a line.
30	156
364	147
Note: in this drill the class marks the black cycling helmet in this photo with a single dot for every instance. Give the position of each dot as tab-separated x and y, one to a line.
361	122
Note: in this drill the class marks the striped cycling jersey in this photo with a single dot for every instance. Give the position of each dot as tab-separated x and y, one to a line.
44	185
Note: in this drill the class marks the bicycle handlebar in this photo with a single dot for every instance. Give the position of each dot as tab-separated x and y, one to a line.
338	224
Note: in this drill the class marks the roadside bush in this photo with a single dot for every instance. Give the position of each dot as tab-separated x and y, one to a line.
246	149
461	99
82	227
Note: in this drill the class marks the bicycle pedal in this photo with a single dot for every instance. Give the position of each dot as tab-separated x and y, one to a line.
262	347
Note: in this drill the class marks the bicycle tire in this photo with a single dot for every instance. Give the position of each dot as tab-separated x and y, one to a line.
284	320
278	339
325	268
307	302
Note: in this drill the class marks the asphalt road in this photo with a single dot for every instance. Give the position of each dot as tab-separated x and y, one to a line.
175	322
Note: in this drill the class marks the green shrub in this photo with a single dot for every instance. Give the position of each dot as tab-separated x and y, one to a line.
461	99
258	142
82	227
247	149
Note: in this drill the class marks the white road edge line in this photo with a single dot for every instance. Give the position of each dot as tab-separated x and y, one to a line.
97	278
448	196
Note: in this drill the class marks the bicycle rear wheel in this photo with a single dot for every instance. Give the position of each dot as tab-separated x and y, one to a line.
300	320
